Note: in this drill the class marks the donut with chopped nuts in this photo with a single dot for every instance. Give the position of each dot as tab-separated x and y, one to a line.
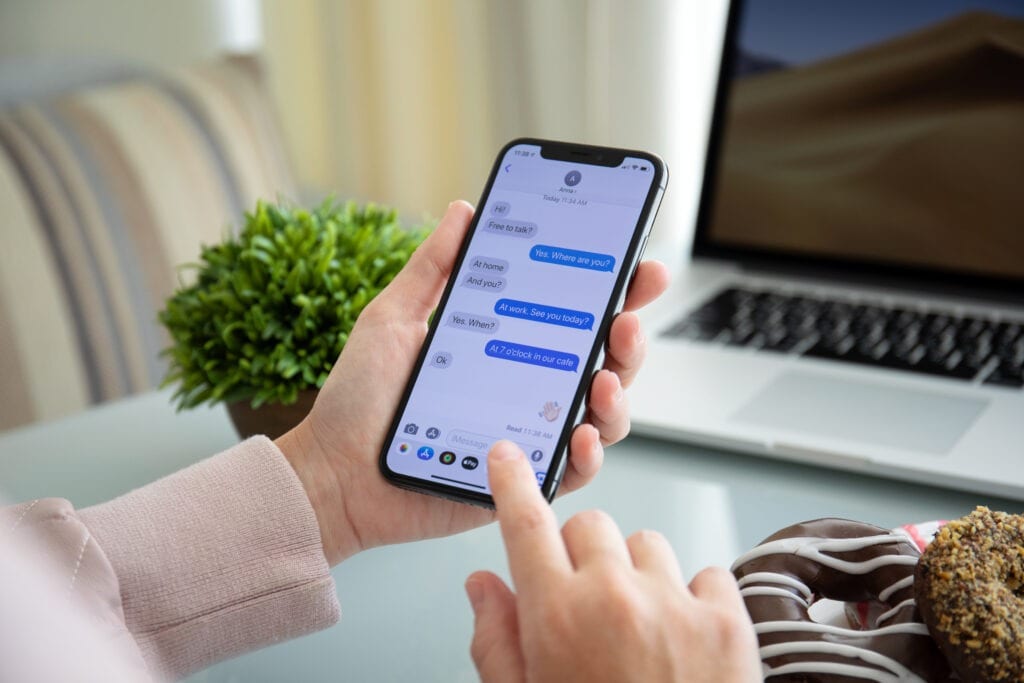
969	587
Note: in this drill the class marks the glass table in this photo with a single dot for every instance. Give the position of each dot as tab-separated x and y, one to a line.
404	613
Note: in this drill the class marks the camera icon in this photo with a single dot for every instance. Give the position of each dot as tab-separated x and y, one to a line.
411	428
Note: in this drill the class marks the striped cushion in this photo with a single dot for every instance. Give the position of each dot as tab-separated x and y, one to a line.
104	191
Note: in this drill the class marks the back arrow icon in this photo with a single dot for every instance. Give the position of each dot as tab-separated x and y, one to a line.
507	167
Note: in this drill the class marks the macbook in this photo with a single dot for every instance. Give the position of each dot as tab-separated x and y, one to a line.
855	292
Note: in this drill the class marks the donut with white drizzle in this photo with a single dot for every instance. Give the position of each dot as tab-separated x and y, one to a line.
847	561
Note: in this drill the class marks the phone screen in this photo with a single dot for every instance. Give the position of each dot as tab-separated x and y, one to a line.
526	304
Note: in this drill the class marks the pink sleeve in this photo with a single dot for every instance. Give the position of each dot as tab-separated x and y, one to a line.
60	608
218	559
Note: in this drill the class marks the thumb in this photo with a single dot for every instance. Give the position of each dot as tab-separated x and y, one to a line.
496	650
416	290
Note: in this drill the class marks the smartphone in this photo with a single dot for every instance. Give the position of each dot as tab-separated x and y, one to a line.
522	323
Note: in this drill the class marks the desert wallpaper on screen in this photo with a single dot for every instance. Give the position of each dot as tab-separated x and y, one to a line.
907	149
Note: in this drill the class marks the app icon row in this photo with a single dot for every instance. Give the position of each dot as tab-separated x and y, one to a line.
432	433
445	458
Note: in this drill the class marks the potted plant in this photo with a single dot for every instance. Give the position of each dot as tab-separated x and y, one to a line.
270	310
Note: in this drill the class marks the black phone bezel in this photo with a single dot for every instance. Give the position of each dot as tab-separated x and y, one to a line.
559	151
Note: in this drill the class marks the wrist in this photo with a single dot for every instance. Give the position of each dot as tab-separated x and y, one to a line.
319	478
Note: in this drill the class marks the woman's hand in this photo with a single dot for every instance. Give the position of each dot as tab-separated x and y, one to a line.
591	606
335	449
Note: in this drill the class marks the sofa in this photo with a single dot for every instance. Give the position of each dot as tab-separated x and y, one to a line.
111	177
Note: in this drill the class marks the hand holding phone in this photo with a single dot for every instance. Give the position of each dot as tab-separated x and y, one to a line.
335	449
592	606
523	321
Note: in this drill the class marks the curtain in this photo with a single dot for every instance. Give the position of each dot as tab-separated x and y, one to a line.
406	102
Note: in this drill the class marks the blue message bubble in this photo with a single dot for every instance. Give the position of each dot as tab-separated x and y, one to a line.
551	315
532	355
561	256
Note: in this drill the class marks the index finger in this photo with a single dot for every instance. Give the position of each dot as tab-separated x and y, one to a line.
534	545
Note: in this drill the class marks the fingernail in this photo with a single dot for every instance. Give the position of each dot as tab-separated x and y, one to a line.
505	452
475	591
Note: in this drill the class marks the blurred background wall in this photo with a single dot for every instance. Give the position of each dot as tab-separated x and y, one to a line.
409	101
148	31
405	102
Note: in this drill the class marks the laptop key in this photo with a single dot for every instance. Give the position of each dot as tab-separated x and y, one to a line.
1005	375
692	331
783	344
958	371
740	336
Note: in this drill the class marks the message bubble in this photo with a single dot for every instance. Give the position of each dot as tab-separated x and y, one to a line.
552	315
532	355
488	264
441	359
511	228
500	208
587	260
485	282
471	321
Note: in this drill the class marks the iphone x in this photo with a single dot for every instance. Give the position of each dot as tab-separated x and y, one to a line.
522	323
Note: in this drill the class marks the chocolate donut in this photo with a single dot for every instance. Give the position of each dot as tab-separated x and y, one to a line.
841	560
969	587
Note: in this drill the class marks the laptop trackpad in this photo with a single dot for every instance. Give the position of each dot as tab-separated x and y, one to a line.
861	411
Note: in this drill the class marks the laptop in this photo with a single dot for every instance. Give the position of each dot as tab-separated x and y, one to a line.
855	292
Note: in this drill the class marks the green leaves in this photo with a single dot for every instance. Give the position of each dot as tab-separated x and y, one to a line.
271	309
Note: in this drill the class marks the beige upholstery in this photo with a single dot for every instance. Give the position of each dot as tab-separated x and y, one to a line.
104	191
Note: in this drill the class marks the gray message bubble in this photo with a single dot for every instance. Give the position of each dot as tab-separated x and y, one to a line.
500	208
486	283
512	228
441	359
487	264
473	322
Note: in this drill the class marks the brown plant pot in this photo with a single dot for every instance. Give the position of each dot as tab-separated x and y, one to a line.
271	419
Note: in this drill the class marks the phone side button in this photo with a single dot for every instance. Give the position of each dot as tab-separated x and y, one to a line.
639	258
558	474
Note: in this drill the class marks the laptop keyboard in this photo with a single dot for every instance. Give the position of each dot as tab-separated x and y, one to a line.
868	333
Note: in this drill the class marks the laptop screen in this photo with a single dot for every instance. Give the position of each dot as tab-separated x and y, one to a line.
871	132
